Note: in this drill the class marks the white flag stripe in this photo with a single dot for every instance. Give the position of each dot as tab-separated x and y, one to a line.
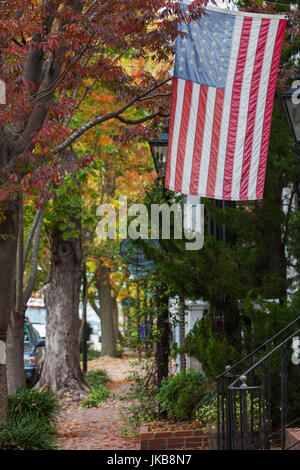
260	110
209	112
243	110
190	141
176	131
227	106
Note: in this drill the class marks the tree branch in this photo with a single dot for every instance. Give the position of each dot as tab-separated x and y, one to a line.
30	235
113	115
34	259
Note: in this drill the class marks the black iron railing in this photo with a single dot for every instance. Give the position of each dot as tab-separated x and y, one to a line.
248	415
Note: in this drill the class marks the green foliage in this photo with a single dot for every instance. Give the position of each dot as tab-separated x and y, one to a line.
180	395
141	394
97	395
208	410
32	416
209	347
27	433
94	378
39	404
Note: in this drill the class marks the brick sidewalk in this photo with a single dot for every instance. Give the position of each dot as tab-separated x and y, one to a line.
94	429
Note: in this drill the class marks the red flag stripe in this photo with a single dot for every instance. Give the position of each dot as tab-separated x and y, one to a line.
183	133
256	76
235	104
198	141
215	139
269	109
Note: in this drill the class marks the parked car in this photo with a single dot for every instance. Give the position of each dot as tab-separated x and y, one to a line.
36	314
33	353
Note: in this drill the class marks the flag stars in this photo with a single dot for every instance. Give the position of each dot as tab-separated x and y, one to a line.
200	69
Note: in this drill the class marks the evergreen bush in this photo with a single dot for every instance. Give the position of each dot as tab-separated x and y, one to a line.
179	396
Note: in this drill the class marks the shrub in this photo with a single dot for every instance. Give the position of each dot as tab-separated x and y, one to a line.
27	433
208	410
32	415
97	377
209	347
180	395
38	404
97	395
141	394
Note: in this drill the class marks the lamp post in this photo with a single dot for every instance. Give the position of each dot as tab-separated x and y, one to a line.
291	103
159	151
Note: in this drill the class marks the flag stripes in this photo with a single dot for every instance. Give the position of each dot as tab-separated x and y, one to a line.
218	138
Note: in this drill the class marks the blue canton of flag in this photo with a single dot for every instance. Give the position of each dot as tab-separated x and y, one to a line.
203	56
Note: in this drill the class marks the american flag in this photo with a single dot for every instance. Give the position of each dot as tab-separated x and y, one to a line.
223	91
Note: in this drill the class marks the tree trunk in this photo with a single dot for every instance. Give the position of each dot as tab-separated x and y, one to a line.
162	352
15	331
61	370
182	333
8	251
118	334
163	340
108	341
15	352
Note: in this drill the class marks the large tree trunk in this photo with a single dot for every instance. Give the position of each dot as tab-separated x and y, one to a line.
61	370
108	341
8	251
